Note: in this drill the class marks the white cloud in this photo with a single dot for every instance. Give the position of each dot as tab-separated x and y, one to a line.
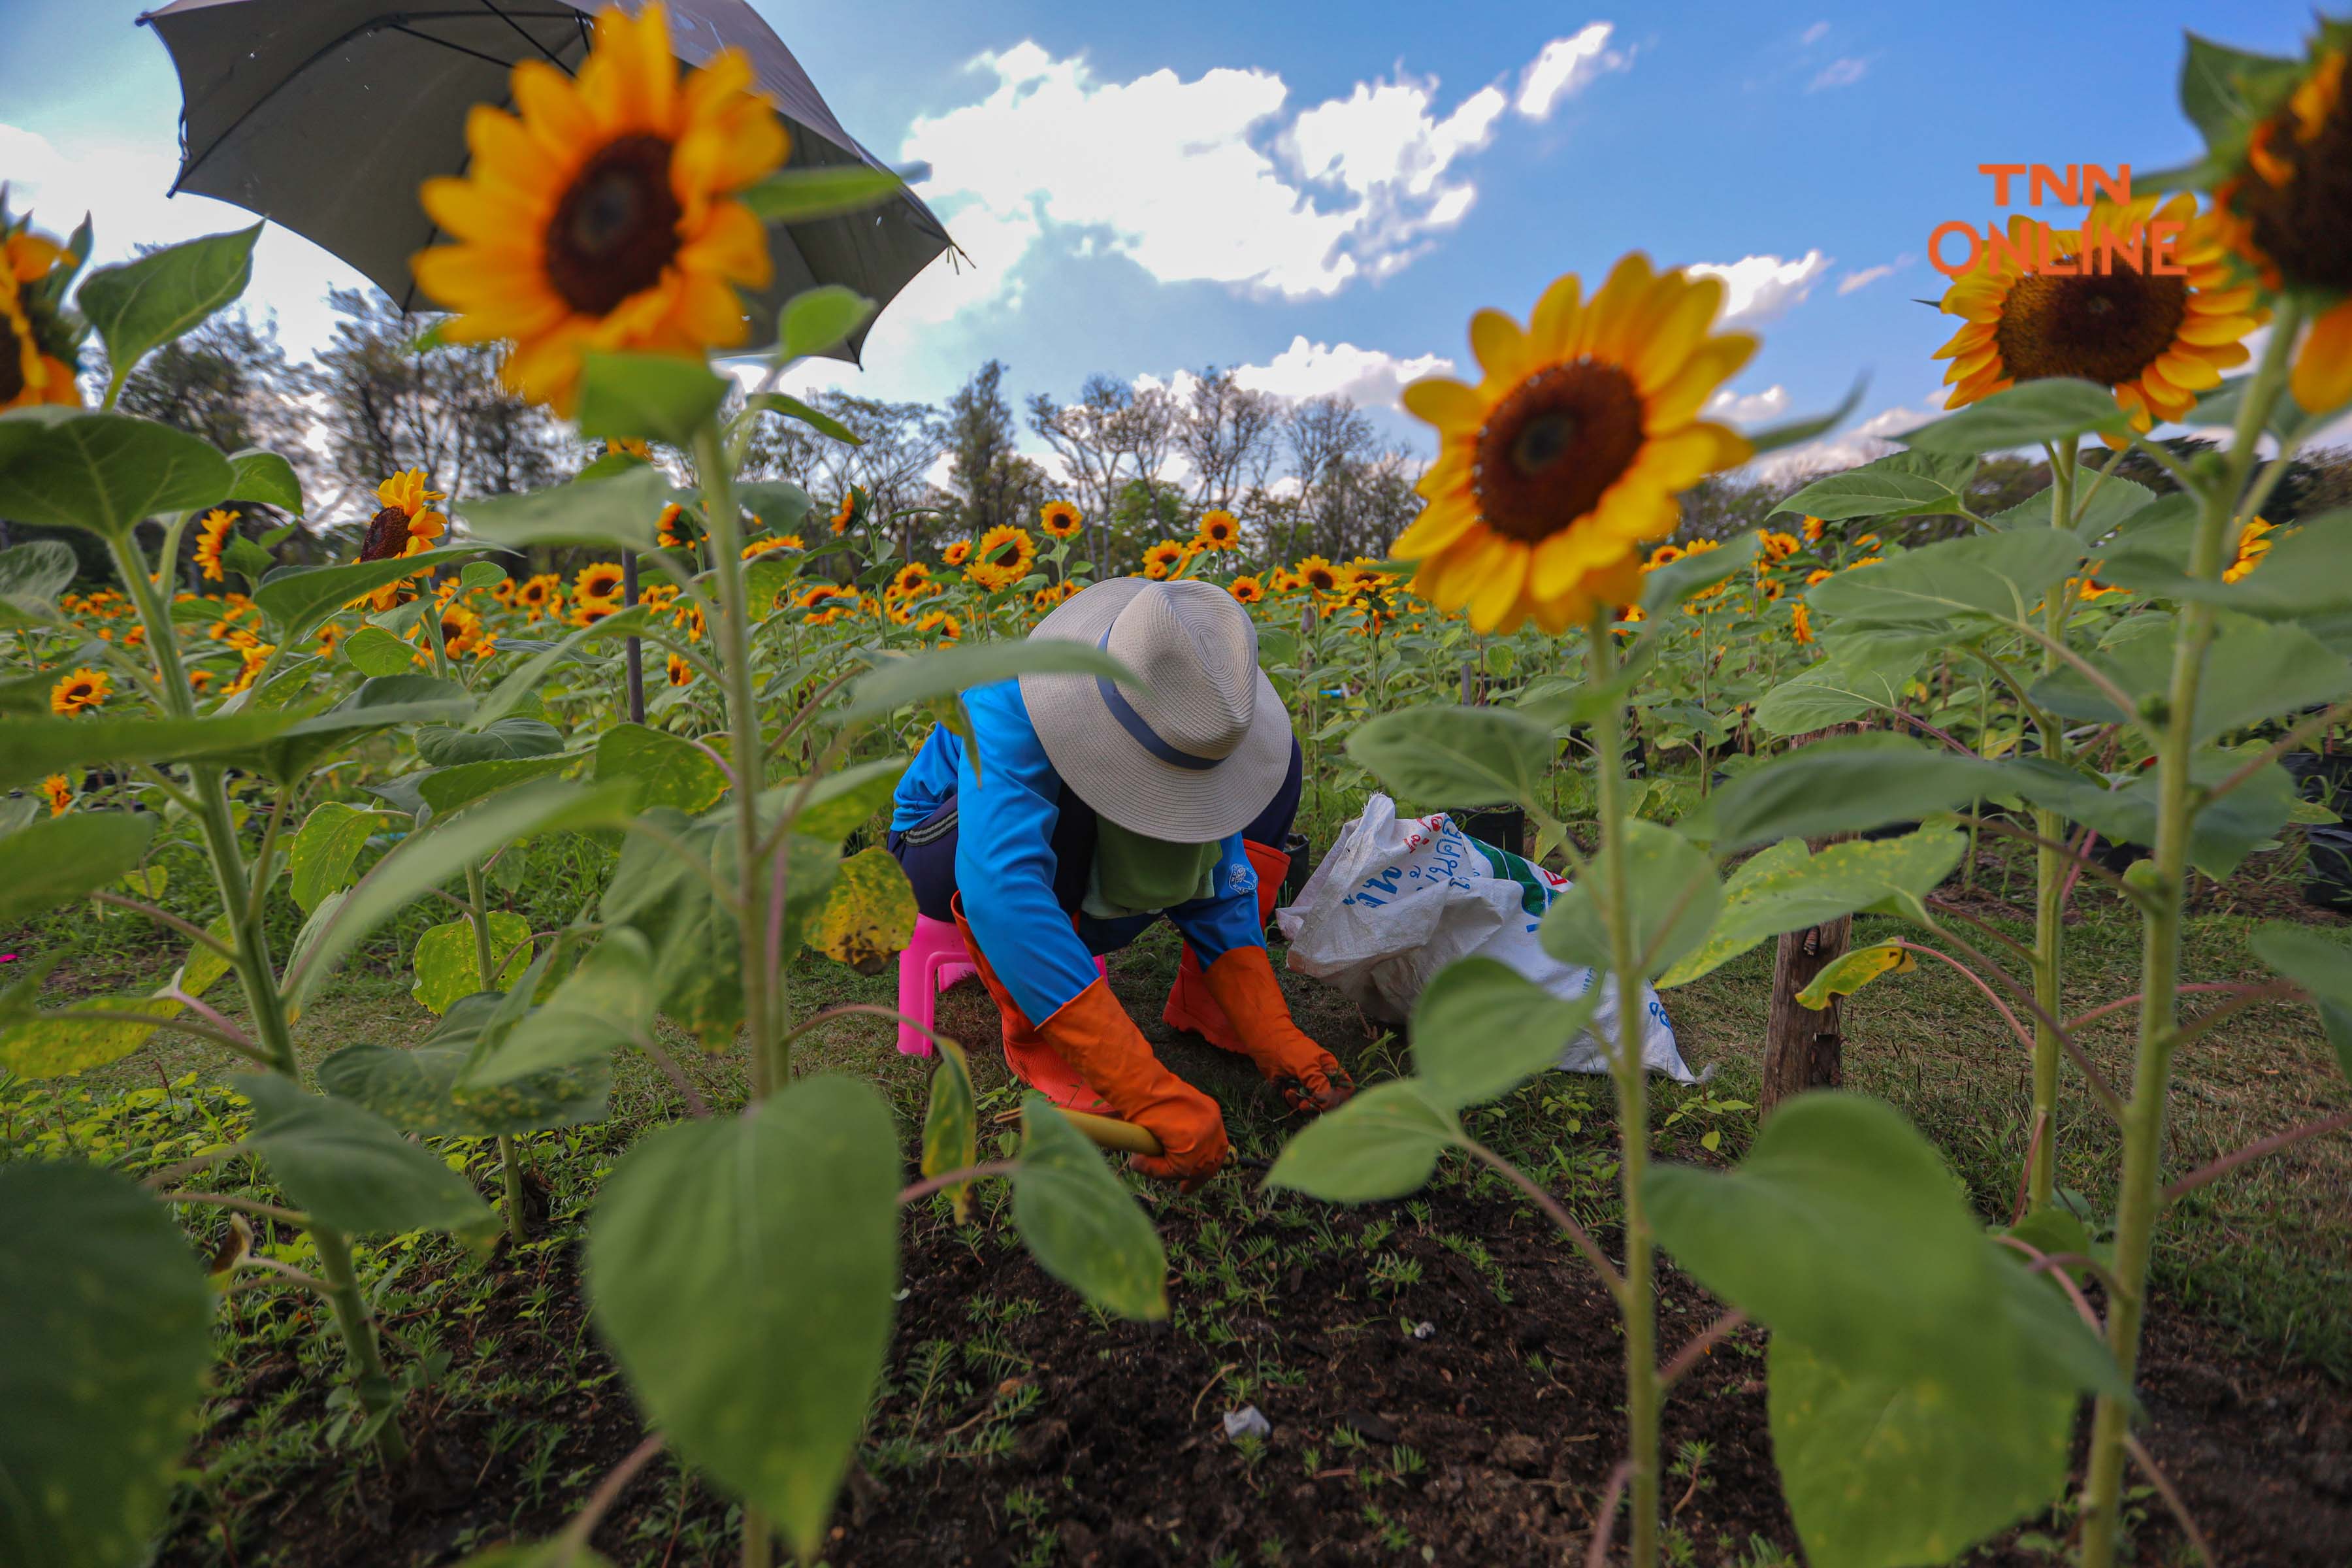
1864	278
1815	34
1760	288
1843	72
1747	410
1214	179
1861	444
1372	377
1566	66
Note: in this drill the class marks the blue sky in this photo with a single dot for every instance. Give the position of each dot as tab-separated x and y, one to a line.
1323	193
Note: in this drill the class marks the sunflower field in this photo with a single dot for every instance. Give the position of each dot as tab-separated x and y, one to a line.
448	1110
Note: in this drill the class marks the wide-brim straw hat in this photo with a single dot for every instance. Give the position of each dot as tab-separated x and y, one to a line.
1195	755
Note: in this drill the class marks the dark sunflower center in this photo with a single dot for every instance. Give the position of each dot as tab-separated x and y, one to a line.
2305	224
1551	449
2105	328
12	362
616	227
387	535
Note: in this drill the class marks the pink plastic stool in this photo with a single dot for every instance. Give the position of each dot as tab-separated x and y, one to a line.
934	960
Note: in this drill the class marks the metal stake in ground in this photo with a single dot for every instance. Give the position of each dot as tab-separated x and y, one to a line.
637	649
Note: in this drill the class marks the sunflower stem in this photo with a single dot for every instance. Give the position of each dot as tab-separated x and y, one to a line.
2165	872
2050	868
1636	1302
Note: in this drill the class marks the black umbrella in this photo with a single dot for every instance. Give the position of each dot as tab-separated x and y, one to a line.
325	116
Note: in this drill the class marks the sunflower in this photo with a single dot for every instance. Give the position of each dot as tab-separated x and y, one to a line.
2156	340
1770	588
667	531
199	680
38	347
629	446
59	792
688	618
956	553
1002	556
599	580
1162	559
2286	210
255	657
817	594
680	672
2253	543
912	579
1045	599
83	690
1247	589
1218	531
1820	574
852	501
1801	624
1663	555
503	591
1779	546
1059	519
459	627
536	594
760	547
939	621
603	217
212	537
1317	574
1552	470
1865	560
1812	529
331	638
588	612
406	524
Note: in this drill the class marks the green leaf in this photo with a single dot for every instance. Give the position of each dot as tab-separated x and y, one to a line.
943	672
1901	484
1844	1230
2225	91
2223	833
371	650
67	467
2057	408
454	788
325	849
816	419
502	740
803	195
869	916
1866	673
298	599
2320	967
448	967
36	572
62	857
1784	888
646	397
840	801
141	305
1480	1030
1886	1470
255	475
1850	971
1992	576
2253	670
39	747
1674	898
2306	573
425	860
419	1090
667	770
80	1038
108	1320
1383	1143
2113	502
1080	1222
617	513
779	505
522	684
707	1240
351	1169
604	1003
379	702
1845	784
1453	757
951	1125
819	319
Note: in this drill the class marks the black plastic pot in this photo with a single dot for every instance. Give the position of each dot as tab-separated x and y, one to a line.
1504	827
2324	778
1301	850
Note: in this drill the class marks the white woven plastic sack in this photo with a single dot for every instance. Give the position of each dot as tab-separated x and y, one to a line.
1398	899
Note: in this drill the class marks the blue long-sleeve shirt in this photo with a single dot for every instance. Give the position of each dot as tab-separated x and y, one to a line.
1005	813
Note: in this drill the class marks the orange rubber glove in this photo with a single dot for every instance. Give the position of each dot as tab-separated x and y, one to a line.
1093	1032
1308	1077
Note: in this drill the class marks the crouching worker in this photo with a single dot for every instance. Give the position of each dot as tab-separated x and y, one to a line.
1082	811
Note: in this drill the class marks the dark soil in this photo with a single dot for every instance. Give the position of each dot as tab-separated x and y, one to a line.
1056	1438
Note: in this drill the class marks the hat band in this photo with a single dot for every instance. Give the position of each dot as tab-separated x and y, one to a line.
1135	724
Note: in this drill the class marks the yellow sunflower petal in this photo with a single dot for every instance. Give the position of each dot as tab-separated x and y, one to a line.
1553	326
2322	378
1440	524
1445	403
1501	348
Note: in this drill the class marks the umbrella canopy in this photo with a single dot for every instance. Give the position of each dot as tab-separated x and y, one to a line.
326	115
